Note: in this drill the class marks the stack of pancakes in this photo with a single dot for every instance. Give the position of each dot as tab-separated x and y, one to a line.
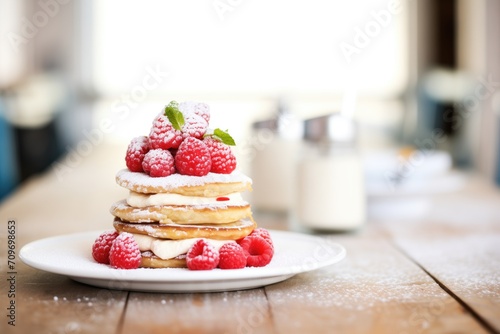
167	215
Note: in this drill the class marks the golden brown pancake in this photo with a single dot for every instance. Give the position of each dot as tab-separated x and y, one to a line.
149	260
212	185
231	231
181	214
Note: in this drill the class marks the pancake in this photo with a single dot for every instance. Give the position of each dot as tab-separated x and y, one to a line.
149	260
231	231
181	214
211	185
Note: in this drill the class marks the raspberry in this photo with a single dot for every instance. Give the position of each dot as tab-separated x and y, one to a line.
163	135
136	150
194	126
102	245
202	256
232	256
196	108
264	234
258	251
223	160
125	253
158	163
193	158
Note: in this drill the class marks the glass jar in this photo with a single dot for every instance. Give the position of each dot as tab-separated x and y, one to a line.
330	183
273	165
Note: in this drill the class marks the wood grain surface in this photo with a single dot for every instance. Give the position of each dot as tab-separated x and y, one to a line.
432	269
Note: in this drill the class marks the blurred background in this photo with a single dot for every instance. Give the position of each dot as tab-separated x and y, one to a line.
416	84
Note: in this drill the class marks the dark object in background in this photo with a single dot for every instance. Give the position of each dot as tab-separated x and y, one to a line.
37	148
445	47
8	166
445	43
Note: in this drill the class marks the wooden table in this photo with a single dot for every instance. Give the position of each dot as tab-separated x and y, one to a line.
432	269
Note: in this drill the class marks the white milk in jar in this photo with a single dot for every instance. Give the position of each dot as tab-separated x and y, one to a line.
330	183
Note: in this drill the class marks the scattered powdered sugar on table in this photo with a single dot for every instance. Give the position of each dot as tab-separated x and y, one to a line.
366	279
469	264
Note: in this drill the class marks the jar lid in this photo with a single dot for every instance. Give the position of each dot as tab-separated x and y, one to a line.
331	128
270	124
284	124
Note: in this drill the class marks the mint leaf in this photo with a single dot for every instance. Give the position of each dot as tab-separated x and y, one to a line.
224	137
174	115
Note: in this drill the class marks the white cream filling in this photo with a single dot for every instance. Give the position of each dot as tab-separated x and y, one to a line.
168	249
140	200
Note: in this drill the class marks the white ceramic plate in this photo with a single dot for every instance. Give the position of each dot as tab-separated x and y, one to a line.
70	255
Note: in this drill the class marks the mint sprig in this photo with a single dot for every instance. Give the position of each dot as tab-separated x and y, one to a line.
174	115
223	136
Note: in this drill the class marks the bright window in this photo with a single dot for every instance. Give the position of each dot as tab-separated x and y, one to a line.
261	48
10	52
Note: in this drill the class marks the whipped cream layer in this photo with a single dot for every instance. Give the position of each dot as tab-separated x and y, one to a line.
139	200
169	249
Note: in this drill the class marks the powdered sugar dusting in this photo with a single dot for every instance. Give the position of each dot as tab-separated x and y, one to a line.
467	264
373	274
126	178
190	108
138	143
